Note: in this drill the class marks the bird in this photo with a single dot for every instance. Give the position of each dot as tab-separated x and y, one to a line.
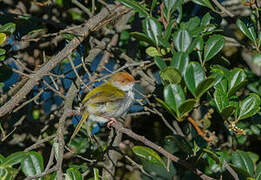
108	101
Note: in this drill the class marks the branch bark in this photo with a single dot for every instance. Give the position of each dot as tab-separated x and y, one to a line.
95	23
159	149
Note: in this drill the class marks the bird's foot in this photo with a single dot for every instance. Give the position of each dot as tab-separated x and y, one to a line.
112	121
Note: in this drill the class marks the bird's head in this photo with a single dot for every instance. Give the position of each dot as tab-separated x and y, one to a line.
122	80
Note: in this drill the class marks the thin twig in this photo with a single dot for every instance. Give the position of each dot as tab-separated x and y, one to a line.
159	149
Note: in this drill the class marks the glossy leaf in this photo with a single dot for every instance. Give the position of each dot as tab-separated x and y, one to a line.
181	142
205	3
197	45
187	106
180	61
13	159
249	106
227	111
247	28
258	171
206	20
213	45
73	174
168	31
9	27
153	29
191	25
174	96
32	164
170	75
204	86
182	40
237	79
148	154
171	5
142	37
220	99
241	159
2	38
160	63
167	107
257	59
135	6
194	76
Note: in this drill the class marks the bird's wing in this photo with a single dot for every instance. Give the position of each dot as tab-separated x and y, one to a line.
79	125
102	94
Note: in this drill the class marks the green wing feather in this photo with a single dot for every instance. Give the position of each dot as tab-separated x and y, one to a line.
104	93
79	125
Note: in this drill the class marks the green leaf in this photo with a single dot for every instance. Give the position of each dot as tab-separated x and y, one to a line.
2	38
9	27
32	164
36	113
249	106
213	45
142	37
73	174
197	45
2	58
205	3
8	173
167	107
182	40
96	173
258	171
241	160
160	63
171	6
152	51
180	61
2	51
13	159
186	106
170	75
169	29
67	36
206	20
174	96
257	59
204	86
247	27
237	79
259	39
220	99
135	6
213	156
181	142
153	29
2	158
194	76
227	111
148	154
191	25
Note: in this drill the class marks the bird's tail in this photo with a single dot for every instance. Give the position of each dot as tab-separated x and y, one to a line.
79	125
